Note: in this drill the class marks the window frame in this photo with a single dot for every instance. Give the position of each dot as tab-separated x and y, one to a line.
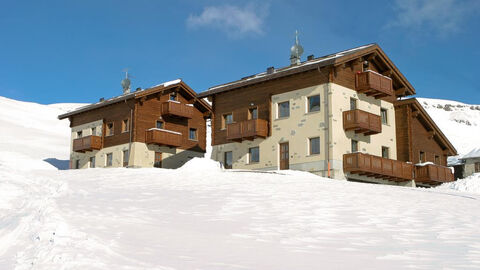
77	164
309	109
250	155
79	134
384	112
278	109
421	157
160	121
352	143
125	163
125	125
92	164
157	163
111	160
437	159
388	152
224	120
354	102
476	167
310	153
109	131
225	165
195	132
250	114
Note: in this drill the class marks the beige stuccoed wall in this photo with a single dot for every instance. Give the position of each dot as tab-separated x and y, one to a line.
142	155
296	130
86	130
341	139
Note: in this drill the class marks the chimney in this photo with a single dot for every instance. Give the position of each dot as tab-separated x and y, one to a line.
310	57
138	89
270	70
101	99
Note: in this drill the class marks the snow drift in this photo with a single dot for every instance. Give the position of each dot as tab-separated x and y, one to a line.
203	217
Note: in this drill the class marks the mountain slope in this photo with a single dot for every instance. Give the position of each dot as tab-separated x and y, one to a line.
201	217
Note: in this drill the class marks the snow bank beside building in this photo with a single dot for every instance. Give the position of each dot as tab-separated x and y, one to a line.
469	184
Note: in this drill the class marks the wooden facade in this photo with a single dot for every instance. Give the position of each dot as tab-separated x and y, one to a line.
377	167
130	117
419	140
362	122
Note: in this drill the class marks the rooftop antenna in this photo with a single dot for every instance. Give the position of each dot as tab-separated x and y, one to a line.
126	83
296	51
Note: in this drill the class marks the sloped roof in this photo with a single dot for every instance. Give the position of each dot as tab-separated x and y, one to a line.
442	139
334	59
475	153
139	94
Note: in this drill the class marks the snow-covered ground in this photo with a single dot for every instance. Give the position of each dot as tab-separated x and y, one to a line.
201	217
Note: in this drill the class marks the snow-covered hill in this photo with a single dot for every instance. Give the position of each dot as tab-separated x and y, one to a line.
460	122
201	217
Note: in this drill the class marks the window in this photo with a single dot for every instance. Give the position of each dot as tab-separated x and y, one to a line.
253	113
94	131
422	157
109	160
227	119
92	162
313	103
79	134
109	129
192	134
158	160
383	113
353	104
477	167
314	144
437	159
125	158
228	160
253	155
385	152
77	164
173	96
284	109
125	125
354	146
159	125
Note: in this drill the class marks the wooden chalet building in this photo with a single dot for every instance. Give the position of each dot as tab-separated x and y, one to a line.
163	126
335	116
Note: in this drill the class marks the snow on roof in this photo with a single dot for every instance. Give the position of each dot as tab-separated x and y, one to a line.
475	153
284	69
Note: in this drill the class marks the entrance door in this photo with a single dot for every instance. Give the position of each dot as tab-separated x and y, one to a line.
284	165
158	160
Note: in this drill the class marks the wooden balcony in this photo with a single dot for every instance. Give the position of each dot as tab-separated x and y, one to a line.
247	130
374	84
175	108
433	174
377	167
163	137
87	143
362	122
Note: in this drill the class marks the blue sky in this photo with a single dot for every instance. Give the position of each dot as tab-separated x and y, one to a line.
76	51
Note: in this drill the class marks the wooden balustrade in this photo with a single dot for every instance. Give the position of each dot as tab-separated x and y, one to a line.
163	137
87	143
374	84
362	122
433	174
247	130
377	167
178	109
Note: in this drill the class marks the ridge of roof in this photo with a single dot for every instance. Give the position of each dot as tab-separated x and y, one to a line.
119	98
325	60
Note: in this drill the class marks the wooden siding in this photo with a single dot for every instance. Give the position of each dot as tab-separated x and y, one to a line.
238	101
413	138
433	174
247	130
362	122
87	143
378	167
114	113
149	110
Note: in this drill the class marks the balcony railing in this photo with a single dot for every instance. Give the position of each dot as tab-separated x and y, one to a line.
247	130
433	174
175	108
163	137
377	167
87	143
374	84
362	122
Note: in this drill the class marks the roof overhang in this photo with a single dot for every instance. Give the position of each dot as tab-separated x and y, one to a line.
429	124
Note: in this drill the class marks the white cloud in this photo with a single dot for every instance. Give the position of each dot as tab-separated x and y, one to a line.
442	16
233	20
